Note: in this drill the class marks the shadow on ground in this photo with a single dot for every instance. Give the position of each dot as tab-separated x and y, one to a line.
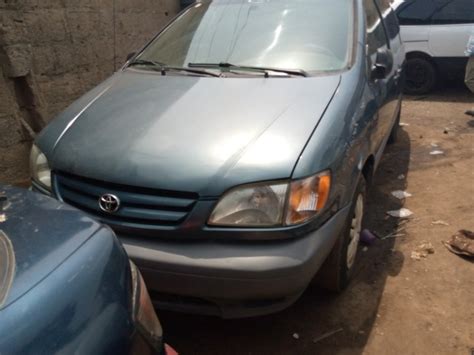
317	312
453	91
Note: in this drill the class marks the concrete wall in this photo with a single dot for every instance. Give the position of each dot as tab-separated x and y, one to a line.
52	51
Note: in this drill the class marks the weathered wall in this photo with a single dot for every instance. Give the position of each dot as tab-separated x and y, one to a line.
52	51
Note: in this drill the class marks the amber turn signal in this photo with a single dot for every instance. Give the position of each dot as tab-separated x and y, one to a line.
308	197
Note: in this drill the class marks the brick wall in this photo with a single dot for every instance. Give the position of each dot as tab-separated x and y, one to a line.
52	51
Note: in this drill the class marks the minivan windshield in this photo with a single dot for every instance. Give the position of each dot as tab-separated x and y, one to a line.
305	35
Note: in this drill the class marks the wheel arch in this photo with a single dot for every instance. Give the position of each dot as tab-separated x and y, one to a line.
368	170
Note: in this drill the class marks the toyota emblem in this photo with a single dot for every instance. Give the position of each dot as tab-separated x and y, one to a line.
109	203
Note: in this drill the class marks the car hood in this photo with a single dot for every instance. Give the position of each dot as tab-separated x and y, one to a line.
188	133
39	234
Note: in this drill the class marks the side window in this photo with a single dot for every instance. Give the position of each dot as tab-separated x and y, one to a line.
376	37
416	12
454	12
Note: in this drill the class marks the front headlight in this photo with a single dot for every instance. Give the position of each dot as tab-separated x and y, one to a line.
39	168
273	204
251	206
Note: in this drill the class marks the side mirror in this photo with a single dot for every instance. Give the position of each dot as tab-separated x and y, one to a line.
383	64
130	55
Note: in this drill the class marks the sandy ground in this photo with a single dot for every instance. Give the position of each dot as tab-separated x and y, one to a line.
395	305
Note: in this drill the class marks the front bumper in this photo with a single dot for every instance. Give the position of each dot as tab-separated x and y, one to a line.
232	279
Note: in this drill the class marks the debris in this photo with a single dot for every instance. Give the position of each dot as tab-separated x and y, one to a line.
367	237
469	113
440	223
3	218
446	131
462	243
401	177
394	234
401	213
401	194
327	335
364	249
296	335
422	251
437	152
434	145
403	124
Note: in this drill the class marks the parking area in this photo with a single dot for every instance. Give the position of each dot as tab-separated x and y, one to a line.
396	304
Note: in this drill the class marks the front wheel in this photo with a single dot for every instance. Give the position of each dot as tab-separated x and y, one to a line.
338	268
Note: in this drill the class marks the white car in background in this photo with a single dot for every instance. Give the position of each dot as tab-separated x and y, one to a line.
435	34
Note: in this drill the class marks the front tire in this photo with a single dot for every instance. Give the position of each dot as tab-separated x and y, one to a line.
338	268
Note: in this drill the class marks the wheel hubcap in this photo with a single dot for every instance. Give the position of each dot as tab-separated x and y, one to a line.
354	235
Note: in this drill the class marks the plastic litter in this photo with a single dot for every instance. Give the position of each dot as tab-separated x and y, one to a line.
462	243
401	177
367	237
401	194
434	145
437	152
403	124
401	213
296	335
440	223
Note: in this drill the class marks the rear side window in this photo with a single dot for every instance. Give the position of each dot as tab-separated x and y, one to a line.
454	12
416	12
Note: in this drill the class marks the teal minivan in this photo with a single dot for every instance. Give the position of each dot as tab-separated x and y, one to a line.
231	155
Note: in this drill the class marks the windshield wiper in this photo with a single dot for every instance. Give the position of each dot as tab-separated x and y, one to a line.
163	68
266	70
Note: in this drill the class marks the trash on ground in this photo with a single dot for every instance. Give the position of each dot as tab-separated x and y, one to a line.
440	223
434	145
296	335
395	234
462	243
367	237
403	124
437	152
401	194
364	249
327	335
3	217
422	251
401	213
401	177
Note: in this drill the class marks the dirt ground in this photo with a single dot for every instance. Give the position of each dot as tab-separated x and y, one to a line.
395	305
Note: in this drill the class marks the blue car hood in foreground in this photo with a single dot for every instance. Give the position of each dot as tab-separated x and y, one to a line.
42	233
187	133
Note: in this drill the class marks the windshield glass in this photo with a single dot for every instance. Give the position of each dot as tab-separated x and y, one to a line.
309	35
7	266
